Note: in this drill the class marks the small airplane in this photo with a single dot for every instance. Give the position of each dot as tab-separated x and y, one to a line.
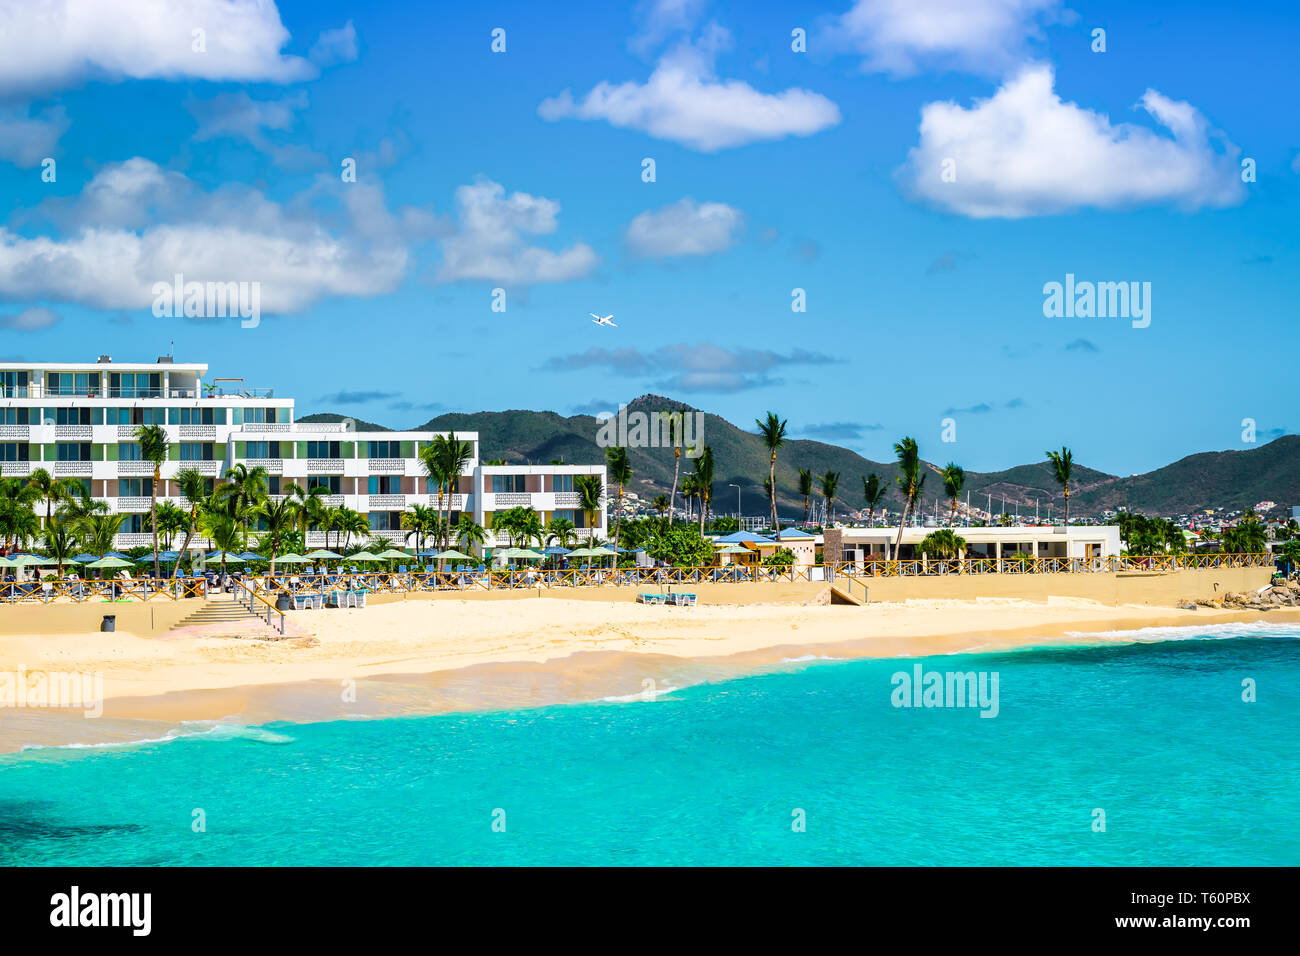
603	320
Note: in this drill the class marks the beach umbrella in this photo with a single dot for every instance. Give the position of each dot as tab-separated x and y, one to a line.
520	554
109	561
118	554
582	553
393	554
427	553
321	553
454	555
84	558
253	556
292	559
734	549
555	550
364	556
230	558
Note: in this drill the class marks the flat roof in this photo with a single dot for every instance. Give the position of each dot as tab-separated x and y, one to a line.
103	366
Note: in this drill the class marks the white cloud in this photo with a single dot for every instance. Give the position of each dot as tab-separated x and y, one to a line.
136	224
29	320
490	241
335	46
683	101
659	19
25	140
685	228
1026	152
57	44
239	116
905	36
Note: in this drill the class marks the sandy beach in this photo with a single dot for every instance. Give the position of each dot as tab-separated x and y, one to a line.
511	650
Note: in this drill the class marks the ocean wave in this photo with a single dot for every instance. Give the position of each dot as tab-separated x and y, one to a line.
805	658
1192	632
189	729
640	696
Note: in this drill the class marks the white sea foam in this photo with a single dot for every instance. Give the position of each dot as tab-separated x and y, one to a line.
212	729
804	659
1192	632
640	696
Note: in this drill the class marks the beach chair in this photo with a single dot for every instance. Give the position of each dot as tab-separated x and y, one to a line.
684	600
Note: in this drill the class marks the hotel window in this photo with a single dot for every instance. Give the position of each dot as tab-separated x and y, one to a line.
567	515
385	485
508	484
14	451
72	416
323	449
273	485
13	385
128	451
135	416
196	451
562	482
72	451
258	416
135	385
193	416
262	449
385	520
20	416
333	484
384	449
72	383
134	487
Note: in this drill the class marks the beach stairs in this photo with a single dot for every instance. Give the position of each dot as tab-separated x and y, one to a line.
220	609
848	590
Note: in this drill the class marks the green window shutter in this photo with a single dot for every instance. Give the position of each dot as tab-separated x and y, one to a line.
51	453
302	449
174	452
349	449
96	452
408	449
111	452
96	416
241	449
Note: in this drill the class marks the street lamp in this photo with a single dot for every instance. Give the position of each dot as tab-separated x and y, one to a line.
737	487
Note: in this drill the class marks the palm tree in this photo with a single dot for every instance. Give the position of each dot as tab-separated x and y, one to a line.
469	533
806	490
16	500
559	532
591	492
171	521
910	479
620	472
1062	463
954	479
660	504
153	448
351	522
433	458
224	531
281	517
100	532
245	489
772	429
830	484
942	544
420	521
689	489
61	542
674	420
54	490
704	482
193	488
872	492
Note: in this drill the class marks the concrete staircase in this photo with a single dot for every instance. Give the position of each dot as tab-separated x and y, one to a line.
219	608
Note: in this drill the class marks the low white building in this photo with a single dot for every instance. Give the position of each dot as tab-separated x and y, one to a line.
1038	541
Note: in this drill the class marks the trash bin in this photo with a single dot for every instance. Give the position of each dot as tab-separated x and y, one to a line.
109	623
282	602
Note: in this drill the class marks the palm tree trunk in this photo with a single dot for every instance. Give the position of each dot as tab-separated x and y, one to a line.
1067	504
771	484
672	498
153	516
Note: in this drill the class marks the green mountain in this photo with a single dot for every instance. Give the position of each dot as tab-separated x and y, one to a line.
1229	479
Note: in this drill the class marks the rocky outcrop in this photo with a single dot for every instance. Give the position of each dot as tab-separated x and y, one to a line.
1277	595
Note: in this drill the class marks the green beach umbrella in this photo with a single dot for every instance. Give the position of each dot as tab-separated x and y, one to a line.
292	559
581	553
322	553
109	562
392	554
454	556
363	556
734	549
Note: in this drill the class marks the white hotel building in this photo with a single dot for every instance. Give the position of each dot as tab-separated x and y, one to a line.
78	420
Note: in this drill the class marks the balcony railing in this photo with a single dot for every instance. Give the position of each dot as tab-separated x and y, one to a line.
457	501
72	468
10	469
387	465
265	427
199	432
273	466
387	501
74	432
567	499
513	499
133	503
324	466
135	468
23	432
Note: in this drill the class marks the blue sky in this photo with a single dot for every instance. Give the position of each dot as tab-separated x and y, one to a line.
775	170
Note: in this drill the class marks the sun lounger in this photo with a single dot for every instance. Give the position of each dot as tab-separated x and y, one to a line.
682	599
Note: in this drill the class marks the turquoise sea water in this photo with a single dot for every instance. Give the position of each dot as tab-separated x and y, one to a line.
1155	734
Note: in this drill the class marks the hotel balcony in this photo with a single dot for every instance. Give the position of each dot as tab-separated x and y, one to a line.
135	468
265	427
133	503
386	501
74	432
273	466
513	499
324	466
387	465
11	469
21	432
199	432
457	501
567	499
64	468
